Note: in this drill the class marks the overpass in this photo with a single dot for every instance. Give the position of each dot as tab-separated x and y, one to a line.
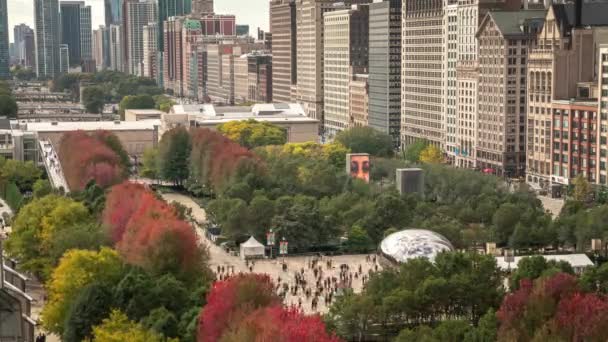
52	165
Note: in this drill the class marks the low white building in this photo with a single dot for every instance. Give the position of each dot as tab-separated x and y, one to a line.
579	262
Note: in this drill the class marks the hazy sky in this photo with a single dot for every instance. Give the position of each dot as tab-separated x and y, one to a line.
248	12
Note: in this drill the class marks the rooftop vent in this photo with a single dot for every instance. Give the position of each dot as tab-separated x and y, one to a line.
117	122
54	123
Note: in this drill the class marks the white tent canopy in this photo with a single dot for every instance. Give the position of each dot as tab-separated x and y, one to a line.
252	249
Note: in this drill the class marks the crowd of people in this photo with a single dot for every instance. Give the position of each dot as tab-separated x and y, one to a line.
309	284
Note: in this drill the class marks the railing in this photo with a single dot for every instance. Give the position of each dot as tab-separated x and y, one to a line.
52	165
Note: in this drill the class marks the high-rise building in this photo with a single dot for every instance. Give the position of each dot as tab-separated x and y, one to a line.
470	14
450	57
113	12
150	48
64	58
98	47
115	43
86	34
243	30
136	15
259	70
385	68
4	43
284	66
218	24
167	9
200	7
422	66
564	57
345	52
46	13
359	100
603	112
70	28
24	45
503	56
241	79
309	50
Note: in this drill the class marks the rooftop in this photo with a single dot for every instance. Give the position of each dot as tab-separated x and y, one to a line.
575	260
512	22
91	126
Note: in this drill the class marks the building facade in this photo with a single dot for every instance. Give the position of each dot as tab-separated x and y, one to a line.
46	16
422	70
259	75
359	100
70	28
385	68
64	58
200	7
24	45
113	12
4	42
136	15
167	9
284	66
98	47
503	56
603	113
116	48
149	40
86	38
345	52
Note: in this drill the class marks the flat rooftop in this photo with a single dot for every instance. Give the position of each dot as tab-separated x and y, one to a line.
91	126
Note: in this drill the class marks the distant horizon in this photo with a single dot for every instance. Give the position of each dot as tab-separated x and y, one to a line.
248	12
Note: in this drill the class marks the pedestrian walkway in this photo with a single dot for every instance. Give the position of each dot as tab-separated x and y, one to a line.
53	165
310	283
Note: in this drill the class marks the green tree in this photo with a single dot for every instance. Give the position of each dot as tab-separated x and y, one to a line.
366	140
582	189
89	308
173	155
150	164
94	99
13	197
162	321
42	187
413	151
8	106
528	268
163	103
431	155
135	102
358	241
595	279
24	174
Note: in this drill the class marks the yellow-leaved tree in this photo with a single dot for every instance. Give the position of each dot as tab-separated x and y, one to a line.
76	270
118	328
431	155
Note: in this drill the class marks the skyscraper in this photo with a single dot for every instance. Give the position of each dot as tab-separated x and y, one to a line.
24	45
86	33
150	48
98	47
200	7
113	12
4	55
345	52
46	14
70	28
115	45
167	9
64	58
136	15
385	68
283	28
422	82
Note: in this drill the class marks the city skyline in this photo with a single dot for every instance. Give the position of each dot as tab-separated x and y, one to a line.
252	12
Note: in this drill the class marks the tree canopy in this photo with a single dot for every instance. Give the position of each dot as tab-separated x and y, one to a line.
366	140
252	133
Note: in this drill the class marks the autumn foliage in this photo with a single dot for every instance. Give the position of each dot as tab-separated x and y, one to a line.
553	309
246	308
215	159
147	232
85	157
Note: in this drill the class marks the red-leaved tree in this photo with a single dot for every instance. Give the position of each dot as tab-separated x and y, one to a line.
279	324
231	301
85	157
122	202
